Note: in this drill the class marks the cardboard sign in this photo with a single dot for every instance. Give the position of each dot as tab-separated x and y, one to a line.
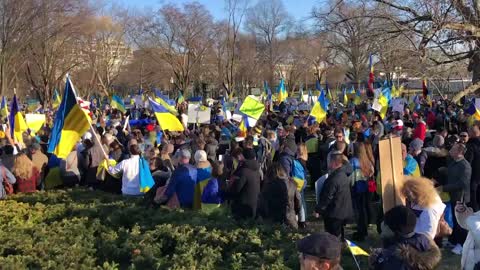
391	172
198	114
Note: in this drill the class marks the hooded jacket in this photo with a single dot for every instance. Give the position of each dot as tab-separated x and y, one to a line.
245	189
418	252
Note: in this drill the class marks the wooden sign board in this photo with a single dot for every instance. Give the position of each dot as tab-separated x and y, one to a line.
391	172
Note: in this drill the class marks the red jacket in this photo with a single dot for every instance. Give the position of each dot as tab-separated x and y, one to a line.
431	119
420	131
28	185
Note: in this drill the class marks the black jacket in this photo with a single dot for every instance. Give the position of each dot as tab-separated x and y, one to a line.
245	190
473	157
335	199
280	201
416	252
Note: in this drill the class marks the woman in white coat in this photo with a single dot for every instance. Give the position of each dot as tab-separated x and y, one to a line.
471	248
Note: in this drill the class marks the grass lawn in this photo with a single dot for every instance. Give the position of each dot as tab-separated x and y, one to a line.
81	229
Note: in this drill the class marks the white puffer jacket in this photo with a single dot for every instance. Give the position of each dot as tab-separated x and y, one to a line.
471	247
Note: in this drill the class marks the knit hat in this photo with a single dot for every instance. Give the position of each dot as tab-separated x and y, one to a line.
200	156
416	144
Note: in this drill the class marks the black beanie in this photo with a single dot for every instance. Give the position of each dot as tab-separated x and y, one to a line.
249	154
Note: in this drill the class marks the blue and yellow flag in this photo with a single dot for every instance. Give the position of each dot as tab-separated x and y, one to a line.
356	250
56	99
166	120
282	91
17	123
145	176
4	107
71	122
165	102
180	98
319	110
117	103
243	127
203	176
410	167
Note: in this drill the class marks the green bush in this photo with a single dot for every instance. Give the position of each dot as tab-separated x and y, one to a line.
81	229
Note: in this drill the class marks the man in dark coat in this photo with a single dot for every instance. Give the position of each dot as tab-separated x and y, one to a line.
335	204
473	157
245	188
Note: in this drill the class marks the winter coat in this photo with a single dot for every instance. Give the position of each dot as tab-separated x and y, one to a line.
286	160
458	181
437	158
471	247
335	198
245	189
211	150
473	157
420	131
418	252
280	201
421	159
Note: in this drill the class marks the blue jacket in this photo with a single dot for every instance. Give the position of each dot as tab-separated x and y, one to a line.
183	182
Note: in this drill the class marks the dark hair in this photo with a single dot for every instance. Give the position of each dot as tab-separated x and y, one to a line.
135	150
401	219
337	131
217	169
8	149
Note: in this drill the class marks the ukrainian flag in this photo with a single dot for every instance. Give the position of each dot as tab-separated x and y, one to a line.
165	102
282	91
4	107
56	99
358	97
117	103
17	123
319	110
298	174
243	127
71	122
356	250
145	176
203	177
410	167
211	198
166	120
180	98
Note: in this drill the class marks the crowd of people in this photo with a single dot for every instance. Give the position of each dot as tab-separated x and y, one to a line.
266	174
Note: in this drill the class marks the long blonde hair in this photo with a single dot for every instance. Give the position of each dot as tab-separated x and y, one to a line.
23	167
420	191
365	163
302	152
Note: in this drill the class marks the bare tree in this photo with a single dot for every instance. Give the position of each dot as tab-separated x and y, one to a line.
179	37
268	20
443	32
51	52
16	17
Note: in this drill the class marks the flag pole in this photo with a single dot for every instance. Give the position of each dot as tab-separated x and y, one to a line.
354	258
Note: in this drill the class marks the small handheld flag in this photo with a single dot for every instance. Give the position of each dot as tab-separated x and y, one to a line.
117	103
282	91
16	121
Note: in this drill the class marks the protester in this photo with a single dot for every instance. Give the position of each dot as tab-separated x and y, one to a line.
244	188
410	165
469	221
473	157
130	170
38	158
402	247
69	170
458	186
26	174
363	171
320	251
416	151
8	177
425	202
335	205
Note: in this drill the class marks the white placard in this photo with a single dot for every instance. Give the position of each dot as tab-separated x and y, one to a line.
197	115
376	106
398	105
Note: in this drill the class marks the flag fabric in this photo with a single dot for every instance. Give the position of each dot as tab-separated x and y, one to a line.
166	120
323	100
252	107
4	107
319	110
203	176
371	76
117	103
410	167
180	98
56	99
145	176
17	123
327	90
71	122
356	250
345	97
165	102
243	127
266	88
310	97
35	121
282	91
424	88
358	98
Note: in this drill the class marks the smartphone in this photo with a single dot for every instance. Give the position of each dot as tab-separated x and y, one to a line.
220	157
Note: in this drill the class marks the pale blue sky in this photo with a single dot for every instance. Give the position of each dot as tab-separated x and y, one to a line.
298	9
